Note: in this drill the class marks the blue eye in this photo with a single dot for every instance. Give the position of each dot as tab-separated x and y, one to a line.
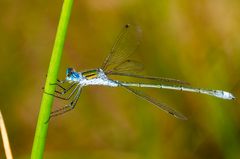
69	71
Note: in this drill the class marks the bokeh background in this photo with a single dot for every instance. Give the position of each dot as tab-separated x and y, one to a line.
195	41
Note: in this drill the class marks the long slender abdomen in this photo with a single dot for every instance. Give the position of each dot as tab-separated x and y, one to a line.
215	93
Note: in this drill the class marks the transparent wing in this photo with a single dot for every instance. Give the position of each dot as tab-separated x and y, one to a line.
156	103
117	62
127	66
126	43
160	79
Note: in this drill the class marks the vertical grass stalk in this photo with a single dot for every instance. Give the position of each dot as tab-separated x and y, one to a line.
47	100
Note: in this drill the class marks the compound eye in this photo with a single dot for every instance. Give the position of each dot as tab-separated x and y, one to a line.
69	72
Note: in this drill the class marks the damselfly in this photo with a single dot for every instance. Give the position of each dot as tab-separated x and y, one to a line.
118	63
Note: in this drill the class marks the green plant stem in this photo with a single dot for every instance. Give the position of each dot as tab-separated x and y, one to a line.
47	100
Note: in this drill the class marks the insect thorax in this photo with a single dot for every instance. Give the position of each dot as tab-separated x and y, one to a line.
96	77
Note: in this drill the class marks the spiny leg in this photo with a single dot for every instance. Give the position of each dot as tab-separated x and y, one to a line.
70	95
60	81
65	90
67	107
63	81
59	86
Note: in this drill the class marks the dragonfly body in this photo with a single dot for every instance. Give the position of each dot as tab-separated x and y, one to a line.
98	77
91	77
118	64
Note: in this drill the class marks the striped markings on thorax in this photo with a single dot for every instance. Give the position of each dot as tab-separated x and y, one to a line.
91	74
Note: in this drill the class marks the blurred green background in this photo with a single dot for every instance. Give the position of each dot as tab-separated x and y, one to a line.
195	41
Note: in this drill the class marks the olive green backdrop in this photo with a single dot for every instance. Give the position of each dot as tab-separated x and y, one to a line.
195	41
